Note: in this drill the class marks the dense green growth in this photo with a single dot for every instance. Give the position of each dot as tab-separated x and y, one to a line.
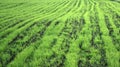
59	33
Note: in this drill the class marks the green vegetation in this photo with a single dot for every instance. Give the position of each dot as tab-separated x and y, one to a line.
59	33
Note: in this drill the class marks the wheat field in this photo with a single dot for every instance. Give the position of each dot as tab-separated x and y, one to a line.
59	33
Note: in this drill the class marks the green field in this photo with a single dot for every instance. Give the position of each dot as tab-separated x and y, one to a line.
59	33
